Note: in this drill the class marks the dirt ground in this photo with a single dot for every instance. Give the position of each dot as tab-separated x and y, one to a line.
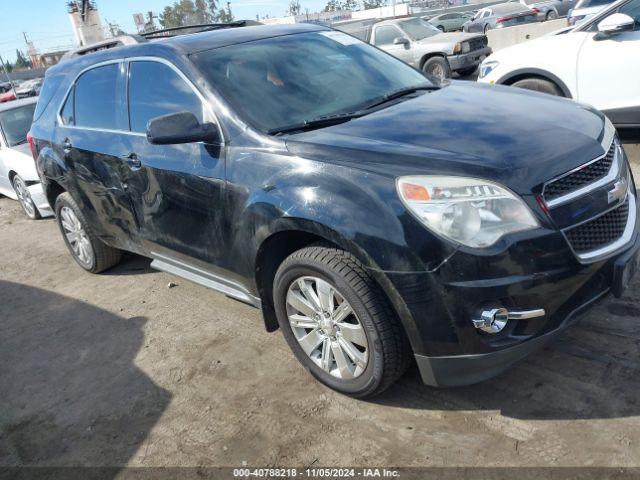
118	369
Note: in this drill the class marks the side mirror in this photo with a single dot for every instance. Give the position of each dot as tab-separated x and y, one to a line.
401	41
616	23
182	127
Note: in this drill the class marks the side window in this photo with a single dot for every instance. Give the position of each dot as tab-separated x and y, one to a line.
67	114
633	10
156	89
95	98
386	34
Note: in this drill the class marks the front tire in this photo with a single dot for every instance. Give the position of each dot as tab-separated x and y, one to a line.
539	85
437	67
91	253
337	323
24	198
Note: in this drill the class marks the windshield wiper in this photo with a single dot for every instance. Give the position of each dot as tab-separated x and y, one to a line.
400	93
318	122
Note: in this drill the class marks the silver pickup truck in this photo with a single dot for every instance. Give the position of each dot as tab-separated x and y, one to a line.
422	45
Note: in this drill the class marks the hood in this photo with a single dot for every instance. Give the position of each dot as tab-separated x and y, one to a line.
450	37
515	136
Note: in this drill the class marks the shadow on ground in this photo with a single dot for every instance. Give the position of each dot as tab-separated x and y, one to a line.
590	372
71	394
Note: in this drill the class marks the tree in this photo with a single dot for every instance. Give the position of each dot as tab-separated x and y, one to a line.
202	12
21	60
351	5
367	4
295	8
332	6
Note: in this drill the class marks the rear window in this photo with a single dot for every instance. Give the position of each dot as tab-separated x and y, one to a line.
15	124
95	98
49	88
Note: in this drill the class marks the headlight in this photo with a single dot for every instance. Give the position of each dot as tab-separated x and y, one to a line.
487	67
470	211
457	48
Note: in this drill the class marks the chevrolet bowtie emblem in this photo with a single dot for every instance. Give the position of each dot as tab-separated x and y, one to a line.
619	191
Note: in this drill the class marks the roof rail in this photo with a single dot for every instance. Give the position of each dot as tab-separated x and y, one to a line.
204	27
104	45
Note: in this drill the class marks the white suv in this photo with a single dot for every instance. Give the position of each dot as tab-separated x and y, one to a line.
596	62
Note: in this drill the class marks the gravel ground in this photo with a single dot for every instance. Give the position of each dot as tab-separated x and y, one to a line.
118	369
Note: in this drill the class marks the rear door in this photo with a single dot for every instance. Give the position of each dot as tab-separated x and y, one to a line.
177	190
92	138
608	72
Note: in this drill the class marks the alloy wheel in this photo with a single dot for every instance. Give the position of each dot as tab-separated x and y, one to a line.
327	328
24	197
76	235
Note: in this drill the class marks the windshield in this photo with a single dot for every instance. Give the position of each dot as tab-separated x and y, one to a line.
286	80
15	124
418	29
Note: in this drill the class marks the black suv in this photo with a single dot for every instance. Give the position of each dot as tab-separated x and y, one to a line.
374	215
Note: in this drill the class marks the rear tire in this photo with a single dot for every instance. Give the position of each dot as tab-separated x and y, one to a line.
539	85
486	28
437	67
551	15
376	352
91	253
441	28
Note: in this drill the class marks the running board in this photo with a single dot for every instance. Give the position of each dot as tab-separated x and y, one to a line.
204	278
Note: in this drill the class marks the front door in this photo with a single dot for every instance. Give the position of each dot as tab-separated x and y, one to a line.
609	71
177	190
384	36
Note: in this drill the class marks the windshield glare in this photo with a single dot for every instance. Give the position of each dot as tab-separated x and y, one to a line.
418	28
283	81
15	124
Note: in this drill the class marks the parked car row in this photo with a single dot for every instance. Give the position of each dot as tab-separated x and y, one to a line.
362	205
15	89
423	46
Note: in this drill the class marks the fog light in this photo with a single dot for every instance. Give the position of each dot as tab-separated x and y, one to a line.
492	321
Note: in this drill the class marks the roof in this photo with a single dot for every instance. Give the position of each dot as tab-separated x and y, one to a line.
17	103
197	42
507	8
183	44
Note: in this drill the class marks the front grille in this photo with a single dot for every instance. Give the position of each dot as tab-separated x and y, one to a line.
600	232
477	43
588	174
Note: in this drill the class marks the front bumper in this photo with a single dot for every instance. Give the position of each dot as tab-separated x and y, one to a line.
565	295
465	61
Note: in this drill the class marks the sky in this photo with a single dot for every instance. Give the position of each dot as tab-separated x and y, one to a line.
46	22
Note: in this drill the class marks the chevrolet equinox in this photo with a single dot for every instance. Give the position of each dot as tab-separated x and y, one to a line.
375	215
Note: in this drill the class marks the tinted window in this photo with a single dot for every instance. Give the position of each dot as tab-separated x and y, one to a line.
385	35
285	80
67	111
95	98
156	89
15	123
633	10
50	86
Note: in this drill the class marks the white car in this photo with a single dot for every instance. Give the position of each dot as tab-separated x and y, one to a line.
596	62
18	176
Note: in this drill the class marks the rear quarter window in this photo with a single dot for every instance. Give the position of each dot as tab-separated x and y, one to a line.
48	90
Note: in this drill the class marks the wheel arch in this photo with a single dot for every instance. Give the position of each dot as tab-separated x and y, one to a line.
430	55
521	74
280	244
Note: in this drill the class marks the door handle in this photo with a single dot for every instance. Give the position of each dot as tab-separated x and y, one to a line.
66	146
133	161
